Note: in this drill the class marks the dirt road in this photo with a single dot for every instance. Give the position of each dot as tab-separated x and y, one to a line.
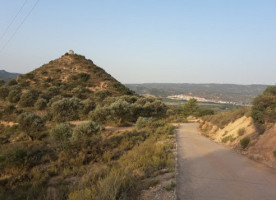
210	171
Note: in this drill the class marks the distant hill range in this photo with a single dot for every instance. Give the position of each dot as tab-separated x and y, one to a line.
241	94
6	76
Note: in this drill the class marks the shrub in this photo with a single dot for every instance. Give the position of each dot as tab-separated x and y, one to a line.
12	155
264	109
88	105
227	138
41	104
84	77
241	131
88	131
53	91
30	122
14	94
4	92
203	112
274	154
142	122
100	114
80	92
244	142
61	134
65	109
12	82
28	98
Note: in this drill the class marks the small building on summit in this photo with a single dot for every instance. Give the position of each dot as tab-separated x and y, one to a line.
71	52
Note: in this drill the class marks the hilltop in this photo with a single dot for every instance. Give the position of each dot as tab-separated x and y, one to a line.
71	71
6	76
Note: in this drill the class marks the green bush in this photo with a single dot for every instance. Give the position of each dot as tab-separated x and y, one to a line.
264	109
203	112
65	109
241	131
12	155
12	82
14	94
87	131
142	122
244	142
30	122
28	98
4	92
41	104
274	154
227	138
61	134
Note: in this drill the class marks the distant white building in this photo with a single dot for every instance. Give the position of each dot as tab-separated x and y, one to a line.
71	52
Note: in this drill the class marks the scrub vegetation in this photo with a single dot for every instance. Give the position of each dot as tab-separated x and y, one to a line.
53	140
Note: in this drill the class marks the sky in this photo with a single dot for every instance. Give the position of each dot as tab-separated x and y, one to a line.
146	41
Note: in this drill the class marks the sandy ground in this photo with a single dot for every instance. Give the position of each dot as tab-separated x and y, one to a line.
210	171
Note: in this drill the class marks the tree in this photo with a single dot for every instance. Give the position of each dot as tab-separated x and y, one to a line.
190	108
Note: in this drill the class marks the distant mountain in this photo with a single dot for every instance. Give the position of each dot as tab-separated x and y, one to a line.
243	94
6	76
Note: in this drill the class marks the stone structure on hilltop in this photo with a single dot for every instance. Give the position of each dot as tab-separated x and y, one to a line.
71	52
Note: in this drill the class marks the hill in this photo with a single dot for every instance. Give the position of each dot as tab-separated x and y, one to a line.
241	94
56	141
68	72
6	76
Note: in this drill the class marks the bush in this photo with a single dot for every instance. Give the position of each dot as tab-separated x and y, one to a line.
4	92
274	154
84	77
14	94
30	122
12	82
12	155
264	109
142	122
66	109
41	104
61	134
203	112
244	142
88	131
227	138
80	92
28	98
241	131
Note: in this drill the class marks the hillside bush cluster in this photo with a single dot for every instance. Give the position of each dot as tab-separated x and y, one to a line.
264	109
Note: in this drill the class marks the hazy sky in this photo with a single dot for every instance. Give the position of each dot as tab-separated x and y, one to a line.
137	41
